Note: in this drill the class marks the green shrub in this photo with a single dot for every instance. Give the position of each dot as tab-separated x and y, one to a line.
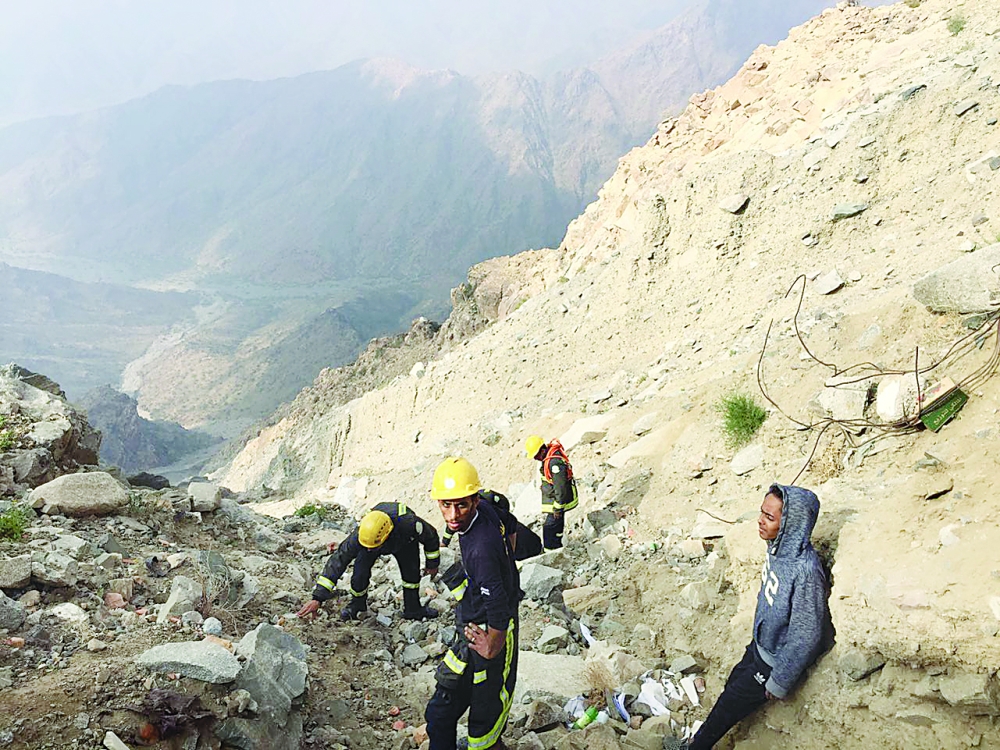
742	416
308	510
913	3
7	440
13	523
956	23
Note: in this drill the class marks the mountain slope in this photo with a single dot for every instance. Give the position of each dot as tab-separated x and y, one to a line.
862	145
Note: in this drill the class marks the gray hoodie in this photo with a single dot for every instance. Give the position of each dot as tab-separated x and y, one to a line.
792	624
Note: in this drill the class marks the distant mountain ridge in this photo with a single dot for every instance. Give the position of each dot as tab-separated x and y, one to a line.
375	185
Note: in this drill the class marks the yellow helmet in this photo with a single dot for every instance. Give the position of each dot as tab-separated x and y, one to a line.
375	529
455	478
532	445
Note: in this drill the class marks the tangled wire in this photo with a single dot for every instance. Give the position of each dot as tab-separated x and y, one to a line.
868	371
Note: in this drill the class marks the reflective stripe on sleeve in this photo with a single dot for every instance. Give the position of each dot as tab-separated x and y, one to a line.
453	663
325	583
459	591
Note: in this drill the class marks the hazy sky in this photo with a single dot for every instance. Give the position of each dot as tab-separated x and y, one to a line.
66	55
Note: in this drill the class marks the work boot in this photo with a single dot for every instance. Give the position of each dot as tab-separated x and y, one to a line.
463	744
675	743
424	613
349	613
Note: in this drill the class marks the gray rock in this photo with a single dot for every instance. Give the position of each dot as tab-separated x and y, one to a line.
15	572
275	671
268	540
12	613
815	157
977	694
965	106
699	595
113	742
828	283
966	285
747	460
734	203
199	660
185	595
192	619
78	495
206	497
858	664
644	424
250	734
413	655
211	626
683	664
867	141
74	546
586	431
54	569
599	520
538	581
553	637
847	210
544	715
908	92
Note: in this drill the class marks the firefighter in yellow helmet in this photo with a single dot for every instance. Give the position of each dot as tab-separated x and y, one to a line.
558	487
479	670
387	529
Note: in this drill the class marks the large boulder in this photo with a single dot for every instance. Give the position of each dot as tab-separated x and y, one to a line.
199	660
78	495
275	671
968	284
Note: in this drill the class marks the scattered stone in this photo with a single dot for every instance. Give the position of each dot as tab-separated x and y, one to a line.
867	141
699	595
814	158
586	599
192	619
152	481
553	637
828	283
111	742
977	694
413	655
611	545
858	664
847	210
644	424
268	540
199	660
966	285
747	460
854	276
734	203
861	178
707	527
212	626
113	600
940	486
910	91
599	520
586	431
979	219
683	664
96	644
692	549
845	403
54	569
71	614
538	581
15	572
185	595
963	107
896	398
77	495
206	497
544	715
12	613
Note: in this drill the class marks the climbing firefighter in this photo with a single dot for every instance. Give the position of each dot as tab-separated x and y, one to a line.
479	670
558	487
387	529
528	543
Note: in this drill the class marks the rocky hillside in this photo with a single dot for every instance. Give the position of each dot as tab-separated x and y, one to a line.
846	165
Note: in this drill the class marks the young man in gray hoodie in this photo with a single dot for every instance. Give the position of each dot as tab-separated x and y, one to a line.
791	626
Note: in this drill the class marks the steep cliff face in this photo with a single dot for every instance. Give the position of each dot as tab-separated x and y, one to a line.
853	158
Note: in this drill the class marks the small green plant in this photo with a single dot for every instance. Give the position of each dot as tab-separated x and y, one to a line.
3	421
742	416
956	23
563	279
13	523
137	504
311	509
7	440
913	3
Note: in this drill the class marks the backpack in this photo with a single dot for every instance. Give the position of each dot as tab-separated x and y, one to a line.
555	450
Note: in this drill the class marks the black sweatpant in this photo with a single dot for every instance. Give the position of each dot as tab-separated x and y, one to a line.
552	530
485	687
744	693
408	560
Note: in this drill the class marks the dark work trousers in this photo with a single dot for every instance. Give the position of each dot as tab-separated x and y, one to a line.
744	693
408	559
485	688
552	530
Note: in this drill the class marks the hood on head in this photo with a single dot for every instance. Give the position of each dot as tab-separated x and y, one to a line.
799	512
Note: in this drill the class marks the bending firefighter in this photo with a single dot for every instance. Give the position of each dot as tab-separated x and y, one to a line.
479	670
791	626
558	487
387	529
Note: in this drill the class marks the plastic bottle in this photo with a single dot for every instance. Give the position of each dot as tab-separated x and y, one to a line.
588	716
